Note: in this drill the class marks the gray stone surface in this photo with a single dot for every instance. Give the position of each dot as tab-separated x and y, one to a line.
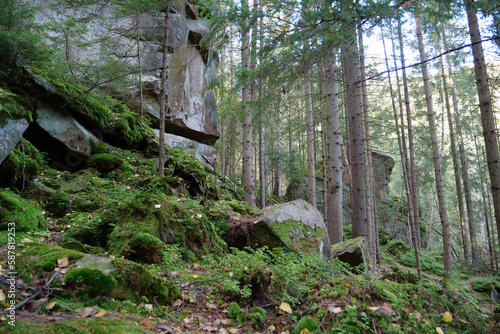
297	224
382	169
61	126
204	153
352	252
191	67
104	264
10	134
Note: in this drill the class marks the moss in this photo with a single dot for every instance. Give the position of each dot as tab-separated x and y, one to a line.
42	258
486	285
88	229
297	236
100	147
94	281
135	281
13	106
308	323
87	325
57	203
397	246
234	311
256	317
24	214
105	162
144	247
21	166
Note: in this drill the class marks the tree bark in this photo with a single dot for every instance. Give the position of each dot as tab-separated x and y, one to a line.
311	161
334	219
163	98
248	170
487	117
443	214
355	124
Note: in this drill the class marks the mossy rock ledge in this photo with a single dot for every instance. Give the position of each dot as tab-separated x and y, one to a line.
295	225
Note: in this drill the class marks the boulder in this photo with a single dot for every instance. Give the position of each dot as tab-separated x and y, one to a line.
75	185
382	169
62	126
352	252
204	153
192	110
294	225
10	134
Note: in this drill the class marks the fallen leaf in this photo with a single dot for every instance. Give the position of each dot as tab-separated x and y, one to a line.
211	306
305	331
100	313
271	328
373	308
2	296
62	262
439	330
146	323
50	306
86	312
285	307
177	303
417	315
333	309
187	320
447	317
233	330
148	307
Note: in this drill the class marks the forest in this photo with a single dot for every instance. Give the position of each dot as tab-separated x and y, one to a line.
220	166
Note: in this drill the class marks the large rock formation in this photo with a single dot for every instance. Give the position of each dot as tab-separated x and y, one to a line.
10	134
132	44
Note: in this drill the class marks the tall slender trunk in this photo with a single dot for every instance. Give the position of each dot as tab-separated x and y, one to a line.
404	166
334	201
445	225
163	97
355	121
411	146
370	192
277	172
324	144
262	146
456	168
139	65
311	163
461	149
248	170
487	115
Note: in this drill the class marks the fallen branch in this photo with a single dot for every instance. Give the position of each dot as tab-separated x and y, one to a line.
46	286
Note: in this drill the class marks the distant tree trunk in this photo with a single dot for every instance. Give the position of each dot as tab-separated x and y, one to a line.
324	144
456	169
163	98
370	188
404	166
447	256
139	65
277	175
262	146
487	115
248	171
311	163
355	121
334	210
411	146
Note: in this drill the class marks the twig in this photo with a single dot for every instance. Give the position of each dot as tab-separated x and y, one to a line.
37	293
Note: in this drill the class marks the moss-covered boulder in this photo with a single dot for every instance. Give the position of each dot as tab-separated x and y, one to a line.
295	225
352	251
19	213
91	282
486	285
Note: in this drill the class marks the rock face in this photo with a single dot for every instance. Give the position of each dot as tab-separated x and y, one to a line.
192	110
293	225
10	134
352	252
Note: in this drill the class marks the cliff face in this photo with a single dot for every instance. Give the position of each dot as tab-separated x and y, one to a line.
122	52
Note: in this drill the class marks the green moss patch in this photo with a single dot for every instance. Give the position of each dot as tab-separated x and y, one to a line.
91	282
88	325
13	106
17	212
105	162
298	236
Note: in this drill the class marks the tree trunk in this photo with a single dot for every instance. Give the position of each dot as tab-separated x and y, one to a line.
262	146
411	146
248	171
324	144
443	214
486	108
355	121
311	163
456	169
404	166
370	191
163	98
334	219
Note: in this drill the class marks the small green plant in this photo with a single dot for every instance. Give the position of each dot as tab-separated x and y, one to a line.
234	311
105	162
308	323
